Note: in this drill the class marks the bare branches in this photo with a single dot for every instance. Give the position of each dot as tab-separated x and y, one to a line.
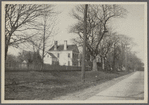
98	18
97	21
19	18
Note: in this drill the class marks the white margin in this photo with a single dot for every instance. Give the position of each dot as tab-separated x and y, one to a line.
68	101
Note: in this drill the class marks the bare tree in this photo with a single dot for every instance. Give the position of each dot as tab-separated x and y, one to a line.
98	20
104	48
134	63
121	46
126	44
46	29
18	18
116	50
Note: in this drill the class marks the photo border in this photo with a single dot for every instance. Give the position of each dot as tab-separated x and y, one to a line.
69	101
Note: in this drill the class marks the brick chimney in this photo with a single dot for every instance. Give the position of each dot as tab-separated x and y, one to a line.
65	44
55	45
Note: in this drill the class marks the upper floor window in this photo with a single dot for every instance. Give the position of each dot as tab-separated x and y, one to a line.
69	55
68	63
58	55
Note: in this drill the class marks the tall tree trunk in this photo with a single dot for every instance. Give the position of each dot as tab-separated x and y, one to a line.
43	49
43	43
7	41
94	67
103	63
113	64
6	50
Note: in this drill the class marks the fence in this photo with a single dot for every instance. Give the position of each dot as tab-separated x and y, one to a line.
22	66
53	67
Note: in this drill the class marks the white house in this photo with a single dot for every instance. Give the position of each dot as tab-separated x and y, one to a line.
62	55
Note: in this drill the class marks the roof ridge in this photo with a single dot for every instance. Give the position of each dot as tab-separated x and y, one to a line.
67	44
61	47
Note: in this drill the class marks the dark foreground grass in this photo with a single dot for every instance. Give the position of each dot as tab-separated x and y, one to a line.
40	85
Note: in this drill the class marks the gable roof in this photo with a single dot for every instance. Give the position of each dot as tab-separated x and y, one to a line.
52	55
61	48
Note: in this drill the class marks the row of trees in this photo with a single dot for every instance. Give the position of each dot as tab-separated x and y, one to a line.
113	50
115	53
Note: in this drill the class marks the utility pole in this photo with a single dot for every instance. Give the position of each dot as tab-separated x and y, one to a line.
44	36
84	44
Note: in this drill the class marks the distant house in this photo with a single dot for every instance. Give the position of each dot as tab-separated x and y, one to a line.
62	55
23	64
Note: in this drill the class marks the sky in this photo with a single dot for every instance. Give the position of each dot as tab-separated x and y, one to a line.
132	25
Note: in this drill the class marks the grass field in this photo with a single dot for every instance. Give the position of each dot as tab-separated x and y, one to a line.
40	85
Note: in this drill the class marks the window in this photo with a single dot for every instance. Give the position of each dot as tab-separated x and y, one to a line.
58	55
69	55
68	63
73	55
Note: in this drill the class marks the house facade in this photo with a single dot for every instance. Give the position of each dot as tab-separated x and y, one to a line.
62	55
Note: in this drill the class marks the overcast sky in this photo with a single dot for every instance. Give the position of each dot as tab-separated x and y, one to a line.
133	25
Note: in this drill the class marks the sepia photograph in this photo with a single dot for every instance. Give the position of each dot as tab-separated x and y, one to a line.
74	52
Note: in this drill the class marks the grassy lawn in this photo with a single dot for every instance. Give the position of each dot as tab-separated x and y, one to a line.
45	85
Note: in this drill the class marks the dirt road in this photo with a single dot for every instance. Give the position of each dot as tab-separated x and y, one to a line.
131	88
131	83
